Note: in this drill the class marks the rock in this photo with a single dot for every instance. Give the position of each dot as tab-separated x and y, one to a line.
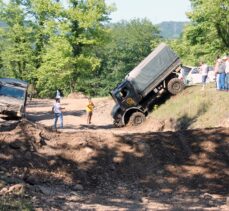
3	191
211	203
28	155
32	180
15	145
145	200
73	198
112	167
46	190
160	171
17	189
2	168
78	187
143	147
207	196
52	162
23	148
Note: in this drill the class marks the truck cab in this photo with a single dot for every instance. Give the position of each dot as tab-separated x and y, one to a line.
13	96
127	102
125	95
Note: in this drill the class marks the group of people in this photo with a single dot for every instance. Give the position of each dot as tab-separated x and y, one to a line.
221	71
57	110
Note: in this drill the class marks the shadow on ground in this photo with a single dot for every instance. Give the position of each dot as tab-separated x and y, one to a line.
178	170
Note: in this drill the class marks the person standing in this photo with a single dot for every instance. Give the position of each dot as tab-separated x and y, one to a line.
227	74
31	91
204	73
89	108
57	94
57	110
221	71
216	71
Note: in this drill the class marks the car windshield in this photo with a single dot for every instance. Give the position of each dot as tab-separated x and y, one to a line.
11	92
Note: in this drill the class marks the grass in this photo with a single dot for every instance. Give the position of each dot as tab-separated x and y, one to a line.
195	108
14	203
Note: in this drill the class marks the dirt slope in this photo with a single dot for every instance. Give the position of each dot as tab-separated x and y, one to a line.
98	167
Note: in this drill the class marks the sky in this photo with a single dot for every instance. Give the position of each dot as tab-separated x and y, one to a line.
154	10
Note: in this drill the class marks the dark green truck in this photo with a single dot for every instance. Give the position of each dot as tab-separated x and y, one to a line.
134	96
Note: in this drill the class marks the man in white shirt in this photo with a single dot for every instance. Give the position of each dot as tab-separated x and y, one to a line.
57	113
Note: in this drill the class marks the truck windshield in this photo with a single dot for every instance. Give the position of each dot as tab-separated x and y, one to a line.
11	92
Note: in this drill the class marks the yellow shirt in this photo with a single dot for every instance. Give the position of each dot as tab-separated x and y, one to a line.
90	107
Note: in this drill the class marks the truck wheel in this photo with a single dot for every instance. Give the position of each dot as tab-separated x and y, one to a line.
175	86
136	118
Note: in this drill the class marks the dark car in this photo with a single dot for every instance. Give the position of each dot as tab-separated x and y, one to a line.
13	96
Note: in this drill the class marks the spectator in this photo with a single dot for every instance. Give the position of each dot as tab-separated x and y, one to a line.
57	94
57	110
204	72
221	71
31	91
89	108
216	71
227	74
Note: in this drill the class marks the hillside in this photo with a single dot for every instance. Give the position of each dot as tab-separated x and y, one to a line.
171	29
194	108
160	165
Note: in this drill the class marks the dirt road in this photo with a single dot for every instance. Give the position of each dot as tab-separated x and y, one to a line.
99	167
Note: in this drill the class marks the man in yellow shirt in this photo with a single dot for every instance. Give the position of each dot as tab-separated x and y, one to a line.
89	108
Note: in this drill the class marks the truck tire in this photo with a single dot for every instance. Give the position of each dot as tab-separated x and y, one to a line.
136	119
175	86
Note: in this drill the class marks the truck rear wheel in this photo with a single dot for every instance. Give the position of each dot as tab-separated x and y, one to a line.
136	119
175	86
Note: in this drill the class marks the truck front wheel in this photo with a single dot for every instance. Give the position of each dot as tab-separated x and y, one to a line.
136	119
175	86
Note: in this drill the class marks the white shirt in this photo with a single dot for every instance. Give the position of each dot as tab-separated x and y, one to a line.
57	108
204	69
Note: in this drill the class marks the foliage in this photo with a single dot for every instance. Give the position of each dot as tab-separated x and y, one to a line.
16	54
73	47
128	44
206	36
49	44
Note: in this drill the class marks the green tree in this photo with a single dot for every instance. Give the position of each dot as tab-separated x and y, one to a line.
81	28
127	45
50	44
16	49
207	35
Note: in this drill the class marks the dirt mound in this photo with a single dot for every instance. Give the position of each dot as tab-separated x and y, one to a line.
77	95
148	170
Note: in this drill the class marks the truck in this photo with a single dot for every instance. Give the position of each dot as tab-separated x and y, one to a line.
13	97
135	96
